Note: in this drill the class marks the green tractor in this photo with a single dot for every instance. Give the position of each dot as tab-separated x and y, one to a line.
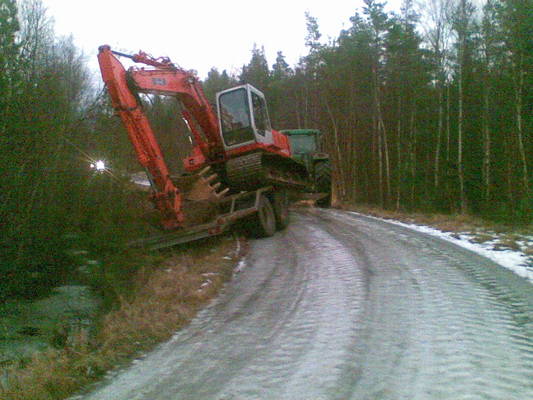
305	145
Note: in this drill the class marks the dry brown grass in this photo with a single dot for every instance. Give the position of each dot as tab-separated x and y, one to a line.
528	250
504	236
305	203
482	238
507	242
444	222
164	298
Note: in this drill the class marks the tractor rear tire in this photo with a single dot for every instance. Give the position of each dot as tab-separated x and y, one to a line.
323	182
263	223
281	209
323	177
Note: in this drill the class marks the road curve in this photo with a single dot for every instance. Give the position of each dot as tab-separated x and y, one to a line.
341	306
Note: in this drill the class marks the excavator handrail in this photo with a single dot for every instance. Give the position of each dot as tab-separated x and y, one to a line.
144	58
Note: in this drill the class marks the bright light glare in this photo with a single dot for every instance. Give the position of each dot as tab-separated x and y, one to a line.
98	165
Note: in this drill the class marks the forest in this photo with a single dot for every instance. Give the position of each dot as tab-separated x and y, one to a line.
428	109
425	109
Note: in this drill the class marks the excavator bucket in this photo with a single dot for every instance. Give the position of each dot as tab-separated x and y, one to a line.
202	186
201	194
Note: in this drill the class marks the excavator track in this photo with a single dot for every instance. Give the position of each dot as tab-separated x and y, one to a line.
260	169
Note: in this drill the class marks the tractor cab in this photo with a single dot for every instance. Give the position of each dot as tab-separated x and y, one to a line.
243	117
304	142
305	147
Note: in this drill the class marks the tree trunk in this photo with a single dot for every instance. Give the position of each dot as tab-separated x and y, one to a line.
387	163
460	172
448	125
509	172
399	153
380	162
439	136
354	181
383	147
412	155
486	140
519	87
341	184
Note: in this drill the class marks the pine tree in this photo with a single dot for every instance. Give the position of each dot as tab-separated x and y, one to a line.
280	69
256	72
463	26
216	82
516	18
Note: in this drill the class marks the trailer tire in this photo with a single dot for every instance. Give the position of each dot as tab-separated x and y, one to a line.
281	209
263	223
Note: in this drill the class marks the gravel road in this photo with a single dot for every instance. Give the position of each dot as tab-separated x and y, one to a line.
340	306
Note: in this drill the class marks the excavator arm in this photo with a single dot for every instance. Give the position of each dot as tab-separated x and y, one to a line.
166	79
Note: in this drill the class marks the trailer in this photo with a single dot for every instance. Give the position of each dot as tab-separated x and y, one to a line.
250	209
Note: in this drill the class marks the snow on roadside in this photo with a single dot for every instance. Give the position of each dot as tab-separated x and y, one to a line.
140	178
240	266
514	260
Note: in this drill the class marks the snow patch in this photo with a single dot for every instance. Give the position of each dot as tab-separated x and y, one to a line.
140	178
513	260
205	284
240	266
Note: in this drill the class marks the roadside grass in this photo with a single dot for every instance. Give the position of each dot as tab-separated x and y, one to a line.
164	295
502	236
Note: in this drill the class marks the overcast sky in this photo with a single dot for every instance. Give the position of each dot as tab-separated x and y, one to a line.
199	34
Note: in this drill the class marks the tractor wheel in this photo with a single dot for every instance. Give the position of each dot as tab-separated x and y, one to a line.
263	224
281	209
323	177
323	182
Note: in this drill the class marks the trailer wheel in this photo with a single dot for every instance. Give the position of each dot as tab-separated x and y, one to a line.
264	222
281	209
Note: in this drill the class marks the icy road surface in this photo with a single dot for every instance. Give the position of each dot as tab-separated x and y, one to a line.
340	306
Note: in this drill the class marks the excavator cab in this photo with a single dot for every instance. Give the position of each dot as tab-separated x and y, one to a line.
243	117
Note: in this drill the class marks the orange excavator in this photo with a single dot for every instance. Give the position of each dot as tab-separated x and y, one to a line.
235	147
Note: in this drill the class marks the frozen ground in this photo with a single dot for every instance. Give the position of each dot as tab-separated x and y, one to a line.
514	260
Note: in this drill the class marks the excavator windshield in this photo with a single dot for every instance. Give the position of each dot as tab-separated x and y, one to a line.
235	118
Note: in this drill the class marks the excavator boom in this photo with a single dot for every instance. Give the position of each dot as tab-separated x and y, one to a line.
165	196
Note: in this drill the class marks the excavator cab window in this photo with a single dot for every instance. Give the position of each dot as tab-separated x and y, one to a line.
234	114
260	114
243	116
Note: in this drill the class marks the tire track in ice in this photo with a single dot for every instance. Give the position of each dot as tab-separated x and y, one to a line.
471	332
